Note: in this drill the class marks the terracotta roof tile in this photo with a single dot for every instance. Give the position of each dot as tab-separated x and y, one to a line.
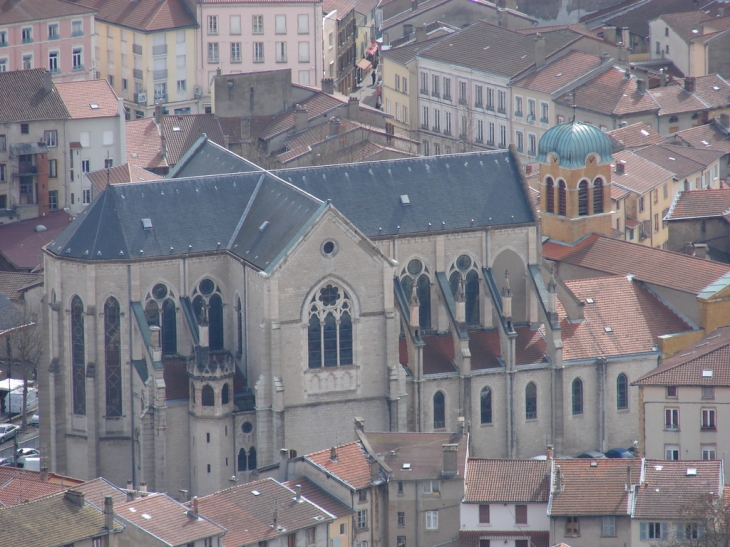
144	144
320	497
12	284
343	7
677	158
248	516
21	490
636	321
713	89
21	245
653	266
34	10
559	72
80	96
125	172
351	466
686	24
582	479
707	136
686	367
673	99
316	105
144	15
182	131
535	539
166	519
507	481
438	354
97	489
23	97
636	135
669	491
640	175
712	202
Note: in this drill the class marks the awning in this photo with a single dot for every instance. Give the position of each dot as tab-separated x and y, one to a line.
632	222
26	148
372	50
75	145
364	64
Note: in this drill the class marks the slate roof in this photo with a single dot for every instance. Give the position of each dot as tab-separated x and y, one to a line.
351	466
423	451
207	157
21	245
143	15
13	284
440	189
23	97
79	96
712	202
636	135
640	175
320	497
507	481
64	522
35	10
635	316
236	206
126	172
582	481
559	72
711	352
669	492
248	516
654	266
167	520
610	93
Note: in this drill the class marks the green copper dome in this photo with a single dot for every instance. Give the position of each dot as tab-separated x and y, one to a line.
572	142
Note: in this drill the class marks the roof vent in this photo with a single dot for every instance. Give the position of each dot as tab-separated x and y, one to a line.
147	223
658	467
94	106
644	132
176	128
707	374
264	226
319	517
589	301
672	159
705	143
405	200
691	471
407	466
146	516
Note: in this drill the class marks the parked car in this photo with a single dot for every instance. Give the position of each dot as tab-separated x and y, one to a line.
593	454
24	453
619	453
6	462
35	420
7	432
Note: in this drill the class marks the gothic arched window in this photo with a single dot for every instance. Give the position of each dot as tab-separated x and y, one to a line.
242	460
622	392
439	410
418	272
466	269
207	396
330	328
583	198
550	198
160	311
208	294
598	196
239	321
252	459
112	358
78	356
225	394
562	204
577	390
485	405
192	393
531	401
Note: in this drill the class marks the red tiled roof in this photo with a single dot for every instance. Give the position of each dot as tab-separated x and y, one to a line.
25	99
183	130
640	175
320	497
34	10
594	487
248	516
351	466
97	489
635	316
438	354
316	105
535	539
686	367
713	89
79	96
21	245
654	266
125	172
636	135
712	202
144	15
706	136
21	490
144	144
673	99
669	492
12	284
559	72
510	481
618	193
167	520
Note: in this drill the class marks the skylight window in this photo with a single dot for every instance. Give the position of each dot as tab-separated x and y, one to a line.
407	466
671	158
691	471
147	223
146	516
707	374
94	106
589	301
176	128
405	200
715	88
255	492
608	329
645	132
705	143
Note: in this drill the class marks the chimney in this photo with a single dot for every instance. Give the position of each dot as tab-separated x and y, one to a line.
414	5
47	81
333	454
218	71
374	470
502	18
301	118
701	250
421	34
143	487
506	297
298	490
623	55
75	497
663	78
640	85
44	473
460	302
359	424
245	129
196	507
461	424
539	50
334	126
415	306
609	34
283	465
451	459
158	112
328	86
689	84
353	109
549	452
628	478
689	248
621	167
725	120
109	513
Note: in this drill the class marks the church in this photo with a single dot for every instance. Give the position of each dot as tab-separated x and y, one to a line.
200	324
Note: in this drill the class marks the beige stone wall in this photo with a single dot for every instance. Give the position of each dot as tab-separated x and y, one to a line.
591	529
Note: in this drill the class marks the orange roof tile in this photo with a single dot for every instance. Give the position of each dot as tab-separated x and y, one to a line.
535	539
559	72
21	490
143	144
97	489
351	465
125	172
320	497
144	15
673	99
89	99
713	202
507	481
640	175
707	136
636	135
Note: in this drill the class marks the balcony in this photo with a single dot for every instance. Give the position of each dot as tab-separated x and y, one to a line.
27	40
78	68
137	74
159	50
53	37
137	49
77	33
544	120
159	74
518	113
30	169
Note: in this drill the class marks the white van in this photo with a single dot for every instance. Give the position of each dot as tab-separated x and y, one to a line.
14	400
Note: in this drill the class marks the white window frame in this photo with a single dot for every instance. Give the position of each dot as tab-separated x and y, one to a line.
362	519
709	418
671	418
280	52
670	451
302	24
257	24
258	52
608	526
212	25
709	451
432	520
280	28
235	52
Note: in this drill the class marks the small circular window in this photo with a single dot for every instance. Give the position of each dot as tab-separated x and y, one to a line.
247	427
206	287
463	262
329	248
414	267
159	291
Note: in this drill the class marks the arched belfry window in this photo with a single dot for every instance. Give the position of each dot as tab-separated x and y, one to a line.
160	311
225	394
466	269
78	356
439	410
562	198
252	459
583	198
415	276
531	401
209	294
550	194
207	396
242	460
112	358
485	405
330	328
577	390
598	196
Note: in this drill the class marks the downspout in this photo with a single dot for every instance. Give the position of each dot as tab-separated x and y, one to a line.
651	216
418	516
601	362
245	325
131	371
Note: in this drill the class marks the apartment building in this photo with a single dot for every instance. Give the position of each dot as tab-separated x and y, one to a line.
340	50
49	34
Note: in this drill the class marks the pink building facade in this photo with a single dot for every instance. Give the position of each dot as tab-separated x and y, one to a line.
58	39
248	36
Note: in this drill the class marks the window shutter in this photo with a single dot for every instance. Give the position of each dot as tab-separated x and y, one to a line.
484	514
700	530
680	532
665	530
642	531
336	542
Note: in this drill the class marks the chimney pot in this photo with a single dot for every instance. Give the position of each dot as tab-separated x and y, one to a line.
414	5
283	464
689	84
196	507
640	85
158	112
143	487
334	126
549	452
333	454
298	489
301	118
539	50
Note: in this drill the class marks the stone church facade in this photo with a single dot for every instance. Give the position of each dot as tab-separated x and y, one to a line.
199	325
